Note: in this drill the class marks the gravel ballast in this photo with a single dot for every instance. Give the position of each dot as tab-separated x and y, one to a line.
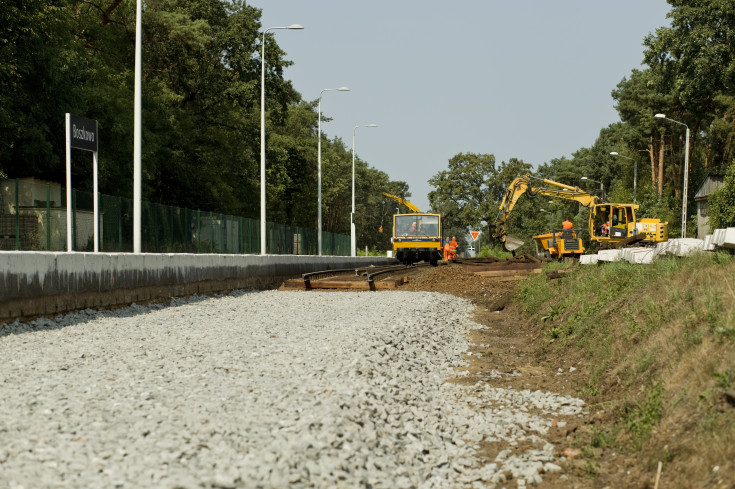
263	389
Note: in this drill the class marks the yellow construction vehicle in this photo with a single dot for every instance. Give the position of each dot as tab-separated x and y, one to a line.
560	243
608	223
417	236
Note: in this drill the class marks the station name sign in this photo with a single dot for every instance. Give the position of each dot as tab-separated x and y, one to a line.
83	132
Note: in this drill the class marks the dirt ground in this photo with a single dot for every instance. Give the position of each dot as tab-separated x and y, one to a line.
508	344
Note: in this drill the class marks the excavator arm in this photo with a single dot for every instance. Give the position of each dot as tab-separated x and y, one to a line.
408	204
523	185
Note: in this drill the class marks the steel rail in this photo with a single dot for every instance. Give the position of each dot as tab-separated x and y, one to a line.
308	277
396	268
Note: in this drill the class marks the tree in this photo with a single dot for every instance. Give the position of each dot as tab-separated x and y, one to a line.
39	73
470	191
722	202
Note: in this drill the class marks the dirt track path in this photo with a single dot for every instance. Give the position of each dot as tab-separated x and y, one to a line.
507	353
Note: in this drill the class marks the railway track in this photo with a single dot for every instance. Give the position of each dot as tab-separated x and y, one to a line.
368	278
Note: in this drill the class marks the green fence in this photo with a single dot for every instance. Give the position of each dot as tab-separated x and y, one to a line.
33	217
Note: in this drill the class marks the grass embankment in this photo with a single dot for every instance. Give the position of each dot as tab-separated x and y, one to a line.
657	346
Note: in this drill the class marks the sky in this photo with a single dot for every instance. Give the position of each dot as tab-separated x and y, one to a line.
527	79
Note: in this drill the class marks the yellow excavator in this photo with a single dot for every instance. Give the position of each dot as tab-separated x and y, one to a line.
608	224
417	236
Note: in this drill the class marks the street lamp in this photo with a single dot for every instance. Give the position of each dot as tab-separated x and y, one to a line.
137	127
352	215
602	188
319	157
686	175
544	210
635	170
262	134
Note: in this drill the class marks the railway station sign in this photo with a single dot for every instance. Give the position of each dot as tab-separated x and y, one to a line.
83	133
475	235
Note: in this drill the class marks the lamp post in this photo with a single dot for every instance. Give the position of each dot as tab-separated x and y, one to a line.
137	127
635	170
352	215
686	175
262	134
602	187
319	158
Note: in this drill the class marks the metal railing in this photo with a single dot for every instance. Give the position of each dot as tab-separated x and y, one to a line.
33	217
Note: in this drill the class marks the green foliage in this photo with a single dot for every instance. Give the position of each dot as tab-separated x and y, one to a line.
553	313
494	251
722	202
201	111
644	416
468	192
725	379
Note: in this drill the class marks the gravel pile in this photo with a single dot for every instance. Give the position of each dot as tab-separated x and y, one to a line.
262	389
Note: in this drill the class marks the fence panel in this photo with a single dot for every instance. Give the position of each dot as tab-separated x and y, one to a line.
33	217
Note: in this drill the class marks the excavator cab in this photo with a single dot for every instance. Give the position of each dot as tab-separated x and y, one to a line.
613	222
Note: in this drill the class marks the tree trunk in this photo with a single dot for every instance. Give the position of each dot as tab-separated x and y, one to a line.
674	167
652	156
726	152
661	166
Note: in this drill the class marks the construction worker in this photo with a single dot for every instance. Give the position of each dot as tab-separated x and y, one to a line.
453	248
412	230
606	228
446	250
567	224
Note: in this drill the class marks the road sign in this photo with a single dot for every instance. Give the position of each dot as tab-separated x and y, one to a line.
474	235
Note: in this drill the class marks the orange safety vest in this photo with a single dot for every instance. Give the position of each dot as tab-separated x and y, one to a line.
567	225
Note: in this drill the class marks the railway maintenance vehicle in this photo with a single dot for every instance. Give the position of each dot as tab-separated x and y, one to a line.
609	223
417	236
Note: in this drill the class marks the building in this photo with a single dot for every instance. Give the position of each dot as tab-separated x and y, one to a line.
712	182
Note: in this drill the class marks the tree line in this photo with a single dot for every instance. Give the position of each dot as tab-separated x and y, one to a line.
201	111
688	75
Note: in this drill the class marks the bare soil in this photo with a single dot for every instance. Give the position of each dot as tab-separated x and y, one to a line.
511	344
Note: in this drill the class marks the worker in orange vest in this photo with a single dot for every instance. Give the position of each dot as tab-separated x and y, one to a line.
567	224
453	248
606	228
446	250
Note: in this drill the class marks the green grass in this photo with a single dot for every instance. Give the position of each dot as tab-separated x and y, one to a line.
642	324
644	416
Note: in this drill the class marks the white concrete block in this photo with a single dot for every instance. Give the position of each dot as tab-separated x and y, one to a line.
608	255
669	247
687	246
641	255
709	245
718	237
588	260
729	239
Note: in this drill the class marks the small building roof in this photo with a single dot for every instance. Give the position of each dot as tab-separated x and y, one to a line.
712	182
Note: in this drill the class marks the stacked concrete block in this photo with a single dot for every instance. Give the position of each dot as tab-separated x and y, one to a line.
709	244
728	240
665	248
588	260
638	255
718	237
686	246
608	255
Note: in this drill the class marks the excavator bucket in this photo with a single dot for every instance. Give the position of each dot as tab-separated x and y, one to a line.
511	244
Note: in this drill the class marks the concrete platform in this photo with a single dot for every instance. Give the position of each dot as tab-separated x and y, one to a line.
47	283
